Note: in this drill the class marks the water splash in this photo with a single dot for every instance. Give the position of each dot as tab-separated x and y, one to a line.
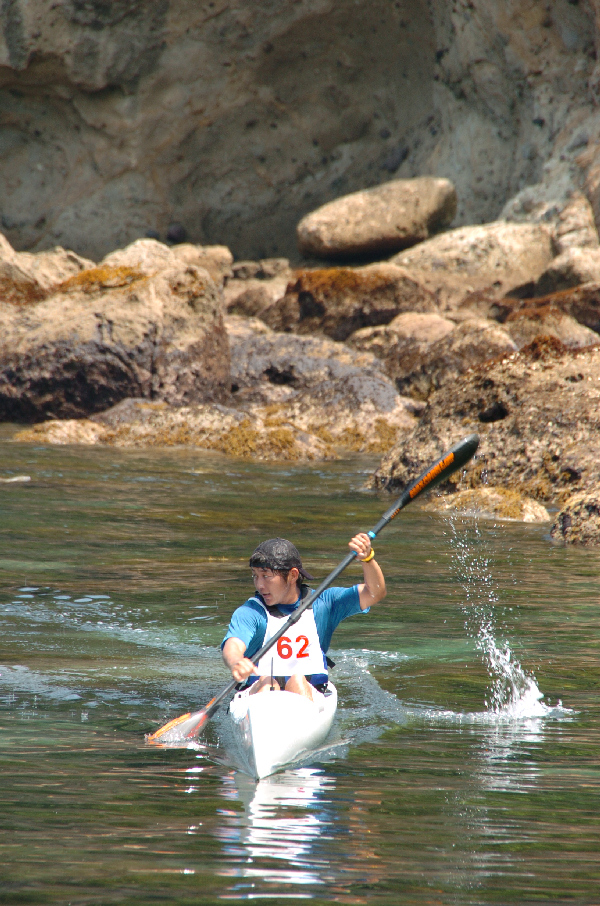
513	692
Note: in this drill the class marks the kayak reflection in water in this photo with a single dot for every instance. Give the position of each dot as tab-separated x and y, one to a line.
297	663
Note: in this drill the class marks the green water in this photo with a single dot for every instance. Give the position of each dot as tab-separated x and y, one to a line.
118	572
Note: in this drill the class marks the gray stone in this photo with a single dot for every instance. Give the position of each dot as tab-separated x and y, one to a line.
495	257
380	220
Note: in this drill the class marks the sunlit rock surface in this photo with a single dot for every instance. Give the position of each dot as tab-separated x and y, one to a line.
495	256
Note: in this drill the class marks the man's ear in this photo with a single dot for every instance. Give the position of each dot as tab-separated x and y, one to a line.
294	574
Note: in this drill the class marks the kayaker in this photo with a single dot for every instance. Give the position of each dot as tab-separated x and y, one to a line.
297	662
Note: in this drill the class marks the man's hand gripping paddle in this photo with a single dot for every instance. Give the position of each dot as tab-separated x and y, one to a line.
189	725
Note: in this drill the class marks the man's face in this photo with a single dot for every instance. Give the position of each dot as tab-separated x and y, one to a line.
274	588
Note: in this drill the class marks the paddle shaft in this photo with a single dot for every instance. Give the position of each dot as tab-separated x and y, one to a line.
454	459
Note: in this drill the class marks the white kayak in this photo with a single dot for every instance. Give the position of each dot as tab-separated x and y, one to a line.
277	728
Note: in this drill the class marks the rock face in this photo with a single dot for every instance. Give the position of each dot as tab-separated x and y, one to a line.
538	415
496	257
582	303
378	221
236	120
579	520
337	301
109	333
150	257
576	228
407	334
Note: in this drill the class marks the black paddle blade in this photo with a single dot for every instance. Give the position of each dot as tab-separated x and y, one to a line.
457	457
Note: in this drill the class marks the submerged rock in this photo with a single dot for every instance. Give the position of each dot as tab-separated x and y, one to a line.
112	332
490	503
537	413
496	256
380	220
337	301
578	522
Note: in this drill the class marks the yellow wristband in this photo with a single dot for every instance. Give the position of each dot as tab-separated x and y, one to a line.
369	558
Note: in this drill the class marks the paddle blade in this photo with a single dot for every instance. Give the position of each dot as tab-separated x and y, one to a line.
181	729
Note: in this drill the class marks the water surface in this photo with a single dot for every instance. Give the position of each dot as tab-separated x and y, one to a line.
463	767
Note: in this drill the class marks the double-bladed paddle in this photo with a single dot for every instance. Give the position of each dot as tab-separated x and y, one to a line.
189	725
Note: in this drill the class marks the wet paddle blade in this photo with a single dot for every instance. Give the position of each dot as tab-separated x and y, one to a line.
182	729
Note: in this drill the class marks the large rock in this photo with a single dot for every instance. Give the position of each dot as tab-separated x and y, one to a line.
572	267
109	333
419	367
337	301
578	522
407	334
495	257
538	416
525	324
320	386
581	303
380	220
140	423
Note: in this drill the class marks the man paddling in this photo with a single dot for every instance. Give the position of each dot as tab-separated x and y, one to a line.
297	662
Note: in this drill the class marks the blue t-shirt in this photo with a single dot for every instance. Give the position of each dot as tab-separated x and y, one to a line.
249	622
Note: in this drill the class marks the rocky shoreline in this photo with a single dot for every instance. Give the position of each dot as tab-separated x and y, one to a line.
493	328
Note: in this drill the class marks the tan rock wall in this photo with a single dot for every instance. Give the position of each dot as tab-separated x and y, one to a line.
235	121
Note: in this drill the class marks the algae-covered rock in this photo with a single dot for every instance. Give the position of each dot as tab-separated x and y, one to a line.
143	423
525	324
337	301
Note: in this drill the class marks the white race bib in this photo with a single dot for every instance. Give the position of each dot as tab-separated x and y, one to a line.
298	651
